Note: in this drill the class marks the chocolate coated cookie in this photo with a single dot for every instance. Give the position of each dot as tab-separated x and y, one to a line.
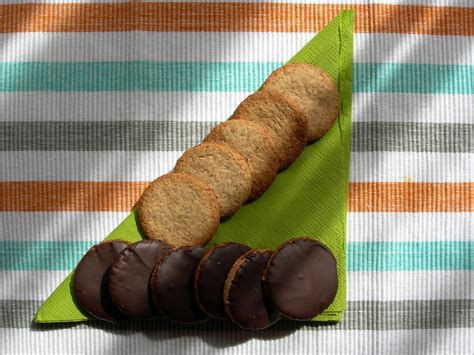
211	274
91	279
244	297
172	285
301	278
130	277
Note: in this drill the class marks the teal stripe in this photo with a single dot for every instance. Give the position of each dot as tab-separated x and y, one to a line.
361	256
414	78
410	256
41	255
220	77
134	76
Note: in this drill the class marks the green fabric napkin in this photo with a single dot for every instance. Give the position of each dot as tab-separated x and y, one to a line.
307	199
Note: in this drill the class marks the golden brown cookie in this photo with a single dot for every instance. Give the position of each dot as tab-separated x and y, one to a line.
226	171
276	112
179	209
255	143
312	91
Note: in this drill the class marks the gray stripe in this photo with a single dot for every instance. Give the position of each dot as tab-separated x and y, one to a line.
178	136
102	136
412	137
361	315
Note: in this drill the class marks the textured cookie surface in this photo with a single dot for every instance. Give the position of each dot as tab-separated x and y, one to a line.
130	275
244	297
313	92
91	278
225	170
254	142
301	278
277	113
179	209
172	285
211	274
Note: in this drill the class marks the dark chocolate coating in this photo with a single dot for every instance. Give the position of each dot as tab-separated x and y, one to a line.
301	278
211	274
91	280
172	285
245	300
130	276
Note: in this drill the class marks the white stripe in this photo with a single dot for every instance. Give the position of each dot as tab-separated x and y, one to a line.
146	166
304	341
118	106
410	167
410	285
422	49
30	285
361	286
361	227
58	226
224	47
410	107
217	106
85	166
409	227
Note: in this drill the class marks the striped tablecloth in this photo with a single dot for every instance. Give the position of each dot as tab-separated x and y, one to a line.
98	99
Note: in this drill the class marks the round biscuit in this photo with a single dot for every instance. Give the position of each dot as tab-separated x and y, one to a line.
313	92
210	276
180	210
244	297
256	144
300	278
225	170
277	113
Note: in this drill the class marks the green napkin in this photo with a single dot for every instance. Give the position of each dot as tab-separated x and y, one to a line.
307	199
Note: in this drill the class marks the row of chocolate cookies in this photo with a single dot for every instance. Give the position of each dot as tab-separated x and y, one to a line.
239	158
254	288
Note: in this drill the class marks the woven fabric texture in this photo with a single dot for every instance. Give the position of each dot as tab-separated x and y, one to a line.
97	99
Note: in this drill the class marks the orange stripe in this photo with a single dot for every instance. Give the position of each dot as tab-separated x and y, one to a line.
411	197
69	196
121	196
231	17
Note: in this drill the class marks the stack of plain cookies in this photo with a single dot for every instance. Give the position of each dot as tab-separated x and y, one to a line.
240	158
